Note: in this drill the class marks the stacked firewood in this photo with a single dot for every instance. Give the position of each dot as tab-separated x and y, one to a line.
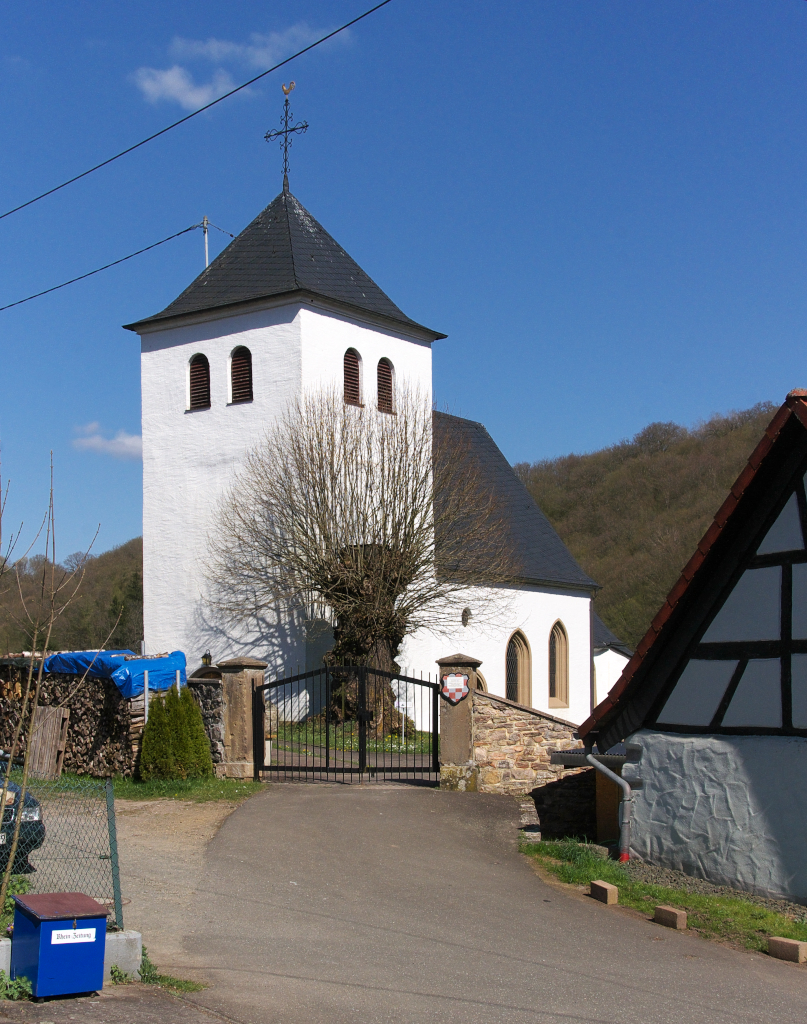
104	728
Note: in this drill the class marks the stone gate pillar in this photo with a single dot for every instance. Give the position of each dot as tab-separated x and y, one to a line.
458	770
238	675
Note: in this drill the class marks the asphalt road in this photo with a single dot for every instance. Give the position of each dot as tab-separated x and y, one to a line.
395	904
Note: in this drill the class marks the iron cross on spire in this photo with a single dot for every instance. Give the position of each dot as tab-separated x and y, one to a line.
285	132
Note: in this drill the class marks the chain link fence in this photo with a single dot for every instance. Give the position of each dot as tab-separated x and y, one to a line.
68	840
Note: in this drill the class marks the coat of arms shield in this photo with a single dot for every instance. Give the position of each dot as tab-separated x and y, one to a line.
454	687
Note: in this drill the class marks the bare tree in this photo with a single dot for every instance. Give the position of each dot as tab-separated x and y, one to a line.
354	515
56	588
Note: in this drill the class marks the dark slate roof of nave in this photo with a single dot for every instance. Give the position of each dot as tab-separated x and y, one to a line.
283	251
540	555
603	637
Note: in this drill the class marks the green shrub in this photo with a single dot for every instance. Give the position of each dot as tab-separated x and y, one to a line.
18	885
202	762
180	739
19	988
175	744
157	749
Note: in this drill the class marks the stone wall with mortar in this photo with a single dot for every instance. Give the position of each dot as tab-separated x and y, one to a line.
209	695
512	745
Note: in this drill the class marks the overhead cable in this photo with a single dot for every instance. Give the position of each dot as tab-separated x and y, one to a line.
187	117
114	263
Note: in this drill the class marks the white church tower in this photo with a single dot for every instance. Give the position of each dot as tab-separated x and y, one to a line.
282	311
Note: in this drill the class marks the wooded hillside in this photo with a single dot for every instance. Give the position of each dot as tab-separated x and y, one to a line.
633	514
112	586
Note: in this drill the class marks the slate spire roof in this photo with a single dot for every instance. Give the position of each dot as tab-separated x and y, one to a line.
285	252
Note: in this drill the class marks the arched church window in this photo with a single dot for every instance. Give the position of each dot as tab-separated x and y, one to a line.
241	375
352	377
518	670
199	382
558	667
385	403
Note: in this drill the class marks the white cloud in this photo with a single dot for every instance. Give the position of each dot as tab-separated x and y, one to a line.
121	446
261	52
175	84
89	428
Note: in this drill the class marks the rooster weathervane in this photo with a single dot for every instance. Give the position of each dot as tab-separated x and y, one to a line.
284	134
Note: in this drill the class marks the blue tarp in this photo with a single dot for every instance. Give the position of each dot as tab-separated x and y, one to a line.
127	675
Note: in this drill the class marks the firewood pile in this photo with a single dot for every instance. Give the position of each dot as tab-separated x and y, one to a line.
104	729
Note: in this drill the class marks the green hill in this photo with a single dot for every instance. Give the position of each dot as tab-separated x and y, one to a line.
111	592
633	514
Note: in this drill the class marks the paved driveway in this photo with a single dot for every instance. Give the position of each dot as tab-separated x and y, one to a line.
396	904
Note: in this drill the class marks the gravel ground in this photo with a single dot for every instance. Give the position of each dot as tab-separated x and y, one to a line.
652	875
129	1004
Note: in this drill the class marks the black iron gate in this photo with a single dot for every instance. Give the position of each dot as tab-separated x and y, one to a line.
349	724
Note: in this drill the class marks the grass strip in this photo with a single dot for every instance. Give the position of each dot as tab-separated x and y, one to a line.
150	975
721	918
198	790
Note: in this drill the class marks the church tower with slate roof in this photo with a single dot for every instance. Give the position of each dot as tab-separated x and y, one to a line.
282	311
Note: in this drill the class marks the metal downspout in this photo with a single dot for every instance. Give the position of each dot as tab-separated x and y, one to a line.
625	805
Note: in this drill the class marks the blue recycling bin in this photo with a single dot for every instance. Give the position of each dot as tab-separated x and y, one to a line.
58	944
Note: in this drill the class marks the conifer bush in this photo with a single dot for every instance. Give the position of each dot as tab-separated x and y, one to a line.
175	744
180	738
201	761
157	750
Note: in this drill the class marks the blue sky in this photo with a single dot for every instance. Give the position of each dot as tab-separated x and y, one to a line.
603	204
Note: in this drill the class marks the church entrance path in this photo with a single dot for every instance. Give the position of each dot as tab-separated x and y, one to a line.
384	903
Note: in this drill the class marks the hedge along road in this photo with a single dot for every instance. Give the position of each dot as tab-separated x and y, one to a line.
394	904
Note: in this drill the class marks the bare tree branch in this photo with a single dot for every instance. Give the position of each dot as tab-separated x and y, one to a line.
355	515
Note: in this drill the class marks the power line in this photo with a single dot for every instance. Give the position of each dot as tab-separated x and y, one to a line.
187	117
114	263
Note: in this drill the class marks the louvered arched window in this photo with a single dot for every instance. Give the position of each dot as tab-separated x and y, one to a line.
518	670
241	375
558	667
199	397
385	403
352	377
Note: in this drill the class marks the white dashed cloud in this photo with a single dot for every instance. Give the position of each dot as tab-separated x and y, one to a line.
121	446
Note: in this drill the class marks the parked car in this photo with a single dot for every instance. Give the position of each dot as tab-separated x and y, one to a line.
32	827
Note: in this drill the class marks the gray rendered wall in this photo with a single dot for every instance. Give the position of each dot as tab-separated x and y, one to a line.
732	809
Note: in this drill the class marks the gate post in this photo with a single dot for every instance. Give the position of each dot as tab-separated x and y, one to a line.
239	677
457	767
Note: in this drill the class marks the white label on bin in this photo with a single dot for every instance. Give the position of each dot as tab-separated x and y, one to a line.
58	938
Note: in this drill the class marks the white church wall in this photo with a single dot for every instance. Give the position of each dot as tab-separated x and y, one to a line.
189	458
732	809
533	611
608	667
326	338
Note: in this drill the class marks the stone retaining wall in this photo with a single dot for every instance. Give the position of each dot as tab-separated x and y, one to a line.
512	745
